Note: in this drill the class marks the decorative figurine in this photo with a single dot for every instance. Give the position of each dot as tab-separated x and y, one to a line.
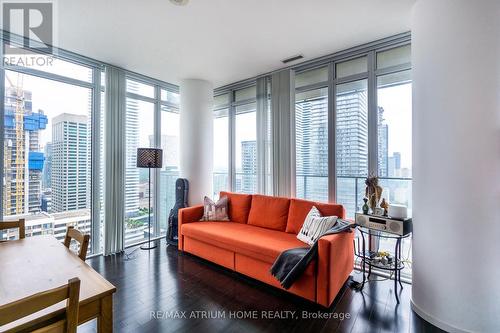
365	206
385	205
373	192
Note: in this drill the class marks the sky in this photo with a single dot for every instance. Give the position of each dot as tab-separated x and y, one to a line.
396	101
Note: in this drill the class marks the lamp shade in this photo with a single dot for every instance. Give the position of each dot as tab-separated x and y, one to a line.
149	157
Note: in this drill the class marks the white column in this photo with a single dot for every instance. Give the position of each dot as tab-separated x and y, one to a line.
196	137
456	162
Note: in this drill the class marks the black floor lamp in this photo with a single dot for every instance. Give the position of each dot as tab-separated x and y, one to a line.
149	158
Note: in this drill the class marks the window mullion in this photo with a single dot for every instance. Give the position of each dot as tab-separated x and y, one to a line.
232	143
156	173
372	117
332	125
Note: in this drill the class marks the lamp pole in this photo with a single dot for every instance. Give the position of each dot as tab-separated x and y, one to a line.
149	247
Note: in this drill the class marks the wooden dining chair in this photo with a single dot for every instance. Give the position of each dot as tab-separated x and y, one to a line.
52	322
72	233
20	224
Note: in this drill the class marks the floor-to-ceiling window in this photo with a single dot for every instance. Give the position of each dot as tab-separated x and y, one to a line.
47	147
311	134
152	121
394	125
235	141
169	143
52	157
245	143
351	143
371	117
221	144
139	128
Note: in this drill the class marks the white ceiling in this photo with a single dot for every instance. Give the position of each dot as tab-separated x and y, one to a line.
221	40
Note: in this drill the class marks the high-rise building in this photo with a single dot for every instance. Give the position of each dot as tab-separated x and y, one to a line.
69	162
351	146
395	165
311	132
352	134
47	167
383	144
23	162
249	166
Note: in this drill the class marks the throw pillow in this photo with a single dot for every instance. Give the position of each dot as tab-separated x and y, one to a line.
215	211
315	225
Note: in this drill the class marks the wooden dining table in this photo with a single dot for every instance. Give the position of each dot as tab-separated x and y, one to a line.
36	264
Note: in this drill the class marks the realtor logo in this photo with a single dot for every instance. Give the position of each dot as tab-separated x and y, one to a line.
34	21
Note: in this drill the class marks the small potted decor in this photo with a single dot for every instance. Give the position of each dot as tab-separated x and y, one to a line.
373	192
365	206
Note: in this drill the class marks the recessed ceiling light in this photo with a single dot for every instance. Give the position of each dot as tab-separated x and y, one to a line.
179	2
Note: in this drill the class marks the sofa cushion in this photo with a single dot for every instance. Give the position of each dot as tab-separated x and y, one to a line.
215	211
269	212
260	243
239	206
300	208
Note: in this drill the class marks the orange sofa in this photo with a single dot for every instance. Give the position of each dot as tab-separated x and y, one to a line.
261	228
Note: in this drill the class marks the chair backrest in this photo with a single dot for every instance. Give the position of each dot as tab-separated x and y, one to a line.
55	322
72	233
15	224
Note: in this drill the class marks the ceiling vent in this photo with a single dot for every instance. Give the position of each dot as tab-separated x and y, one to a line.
293	58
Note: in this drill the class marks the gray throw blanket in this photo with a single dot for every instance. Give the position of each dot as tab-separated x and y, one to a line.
291	263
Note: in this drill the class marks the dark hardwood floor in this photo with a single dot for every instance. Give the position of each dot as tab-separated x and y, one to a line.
163	282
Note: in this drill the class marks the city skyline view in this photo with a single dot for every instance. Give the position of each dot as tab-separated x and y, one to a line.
50	184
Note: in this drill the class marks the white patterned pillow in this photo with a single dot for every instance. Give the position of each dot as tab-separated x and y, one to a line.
215	211
315	225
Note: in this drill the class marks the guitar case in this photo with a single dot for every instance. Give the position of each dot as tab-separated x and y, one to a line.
181	201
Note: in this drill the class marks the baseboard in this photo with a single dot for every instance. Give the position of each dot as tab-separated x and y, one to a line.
436	322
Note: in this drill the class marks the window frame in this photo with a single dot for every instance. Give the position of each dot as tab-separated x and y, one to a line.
370	75
96	86
158	103
231	107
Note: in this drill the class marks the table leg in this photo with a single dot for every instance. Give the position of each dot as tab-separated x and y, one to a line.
363	262
396	255
399	272
105	320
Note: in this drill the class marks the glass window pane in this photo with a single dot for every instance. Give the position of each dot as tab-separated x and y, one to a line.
140	88
170	170
52	65
246	148
352	144
139	129
397	56
311	142
394	129
221	152
47	159
169	96
351	67
246	93
311	77
221	101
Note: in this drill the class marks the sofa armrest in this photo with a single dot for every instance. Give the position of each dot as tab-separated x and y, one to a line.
335	264
187	215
